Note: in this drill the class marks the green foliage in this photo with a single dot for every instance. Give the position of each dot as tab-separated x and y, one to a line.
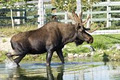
10	3
70	5
65	5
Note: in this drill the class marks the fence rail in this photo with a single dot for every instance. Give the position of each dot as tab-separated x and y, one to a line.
109	3
100	32
107	19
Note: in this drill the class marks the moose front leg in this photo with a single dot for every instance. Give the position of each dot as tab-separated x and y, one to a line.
48	57
60	54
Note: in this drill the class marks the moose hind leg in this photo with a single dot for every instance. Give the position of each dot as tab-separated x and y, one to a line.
19	58
9	55
21	54
16	60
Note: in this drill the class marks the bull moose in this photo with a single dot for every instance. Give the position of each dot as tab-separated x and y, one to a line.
49	38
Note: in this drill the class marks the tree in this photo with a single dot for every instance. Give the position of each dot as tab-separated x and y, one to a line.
65	5
69	5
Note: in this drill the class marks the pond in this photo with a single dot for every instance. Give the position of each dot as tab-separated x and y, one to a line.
57	71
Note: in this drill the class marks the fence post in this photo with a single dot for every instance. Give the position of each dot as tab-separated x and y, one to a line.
24	15
66	17
40	13
12	21
108	24
88	22
79	7
17	21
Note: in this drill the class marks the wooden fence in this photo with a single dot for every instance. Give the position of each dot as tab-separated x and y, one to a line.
21	14
106	19
101	32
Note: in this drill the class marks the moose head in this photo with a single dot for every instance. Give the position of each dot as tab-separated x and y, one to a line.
82	32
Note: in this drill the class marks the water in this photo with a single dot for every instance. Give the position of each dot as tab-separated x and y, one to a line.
57	71
10	64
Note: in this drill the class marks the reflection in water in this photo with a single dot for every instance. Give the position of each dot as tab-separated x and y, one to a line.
59	75
105	58
22	74
19	74
68	71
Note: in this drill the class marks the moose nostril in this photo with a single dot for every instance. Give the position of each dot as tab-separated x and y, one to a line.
91	40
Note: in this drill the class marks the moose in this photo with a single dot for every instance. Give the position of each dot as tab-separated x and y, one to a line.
49	38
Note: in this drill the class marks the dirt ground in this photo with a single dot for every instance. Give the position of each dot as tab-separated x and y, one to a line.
5	44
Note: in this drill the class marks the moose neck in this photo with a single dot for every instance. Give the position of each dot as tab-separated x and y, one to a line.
70	33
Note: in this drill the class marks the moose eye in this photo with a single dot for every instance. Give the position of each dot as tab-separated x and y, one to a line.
79	27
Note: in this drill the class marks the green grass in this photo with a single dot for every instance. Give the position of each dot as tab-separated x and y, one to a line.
2	56
8	31
105	41
4	40
100	42
72	48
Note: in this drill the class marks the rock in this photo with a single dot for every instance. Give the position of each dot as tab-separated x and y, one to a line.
81	56
89	55
92	53
70	55
76	55
5	46
86	54
118	46
89	47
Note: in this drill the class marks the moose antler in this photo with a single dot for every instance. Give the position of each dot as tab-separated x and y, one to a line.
78	19
90	31
74	17
84	22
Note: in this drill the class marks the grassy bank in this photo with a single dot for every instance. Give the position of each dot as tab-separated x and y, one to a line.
102	44
8	31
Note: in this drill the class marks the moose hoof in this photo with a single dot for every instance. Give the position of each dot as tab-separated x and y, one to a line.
18	65
47	64
8	55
